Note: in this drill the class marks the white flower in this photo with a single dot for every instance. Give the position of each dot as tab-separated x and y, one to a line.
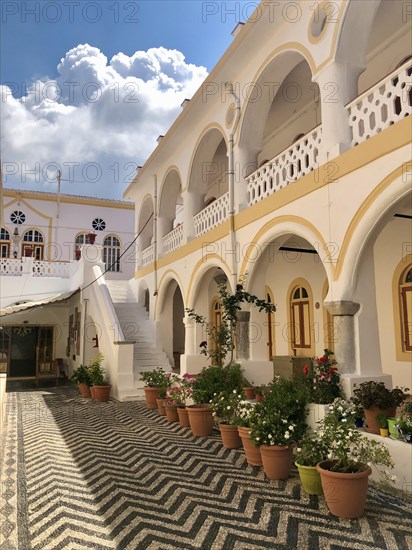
234	391
284	421
344	419
257	438
270	436
330	455
298	449
287	435
291	428
393	478
228	407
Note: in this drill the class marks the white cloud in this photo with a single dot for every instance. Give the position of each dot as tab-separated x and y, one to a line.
94	111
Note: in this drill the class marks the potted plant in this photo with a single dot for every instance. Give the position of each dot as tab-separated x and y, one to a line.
224	407
405	422
100	385
178	393
311	450
243	421
259	392
345	473
91	237
323	379
211	380
383	425
81	377
248	389
376	399
277	422
156	383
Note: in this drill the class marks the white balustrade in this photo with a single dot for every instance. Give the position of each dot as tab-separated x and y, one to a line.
287	167
173	240
10	266
381	106
148	255
44	268
212	216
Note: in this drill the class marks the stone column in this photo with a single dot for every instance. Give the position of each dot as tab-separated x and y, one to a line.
163	225
338	85
190	335
192	205
344	329
242	335
245	161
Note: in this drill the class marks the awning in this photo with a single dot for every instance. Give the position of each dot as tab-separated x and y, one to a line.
33	304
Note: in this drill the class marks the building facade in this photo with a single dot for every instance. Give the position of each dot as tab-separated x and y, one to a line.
290	168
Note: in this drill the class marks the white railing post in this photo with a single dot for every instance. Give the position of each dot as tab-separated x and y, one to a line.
212	216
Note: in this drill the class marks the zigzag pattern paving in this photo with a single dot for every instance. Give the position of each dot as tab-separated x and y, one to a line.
119	476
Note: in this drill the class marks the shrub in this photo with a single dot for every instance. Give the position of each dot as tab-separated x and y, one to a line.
312	449
215	379
376	394
323	379
81	375
225	406
156	378
96	371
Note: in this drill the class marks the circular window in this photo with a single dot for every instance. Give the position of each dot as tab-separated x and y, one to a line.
230	115
98	224
17	217
319	20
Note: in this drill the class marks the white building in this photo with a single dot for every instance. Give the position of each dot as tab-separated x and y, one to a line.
291	165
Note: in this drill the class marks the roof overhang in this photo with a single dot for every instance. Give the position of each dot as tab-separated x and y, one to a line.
56	298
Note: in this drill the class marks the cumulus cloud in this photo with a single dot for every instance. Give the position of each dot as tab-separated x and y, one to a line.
95	115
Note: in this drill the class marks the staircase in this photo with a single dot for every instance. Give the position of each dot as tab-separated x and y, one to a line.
135	324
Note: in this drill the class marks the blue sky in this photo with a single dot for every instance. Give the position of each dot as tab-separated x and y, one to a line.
37	35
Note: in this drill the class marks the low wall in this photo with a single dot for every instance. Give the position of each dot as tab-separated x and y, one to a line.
3	379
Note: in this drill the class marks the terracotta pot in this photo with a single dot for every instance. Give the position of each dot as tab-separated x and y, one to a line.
92	392
171	413
183	417
253	456
370	417
249	392
92	237
151	394
345	493
230	436
201	419
160	407
84	390
259	397
277	460
101	393
310	479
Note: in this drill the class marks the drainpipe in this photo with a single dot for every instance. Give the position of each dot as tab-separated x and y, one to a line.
155	234
85	301
231	174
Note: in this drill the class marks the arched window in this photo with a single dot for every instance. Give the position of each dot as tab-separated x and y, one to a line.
300	317
405	295
111	253
82	238
4	243
33	244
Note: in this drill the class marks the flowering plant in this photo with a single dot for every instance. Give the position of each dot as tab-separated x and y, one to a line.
312	449
180	389
324	380
225	406
243	415
280	418
348	449
156	378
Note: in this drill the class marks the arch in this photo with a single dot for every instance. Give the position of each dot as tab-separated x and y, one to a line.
211	261
4	243
4	234
81	238
170	199
276	229
208	165
33	243
33	236
169	276
111	253
274	70
384	199
145	222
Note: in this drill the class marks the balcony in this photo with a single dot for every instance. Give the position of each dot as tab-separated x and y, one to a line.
173	240
148	255
287	167
212	216
382	105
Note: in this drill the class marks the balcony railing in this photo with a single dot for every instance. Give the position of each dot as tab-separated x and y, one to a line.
10	266
148	255
37	268
212	216
43	268
173	240
382	105
287	167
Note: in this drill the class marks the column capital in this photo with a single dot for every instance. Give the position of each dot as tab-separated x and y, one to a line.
342	307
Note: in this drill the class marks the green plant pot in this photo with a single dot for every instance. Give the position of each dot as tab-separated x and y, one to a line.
393	431
310	479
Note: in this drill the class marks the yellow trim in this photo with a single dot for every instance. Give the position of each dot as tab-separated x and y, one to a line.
300	281
161	290
232	107
205	130
361	212
273	223
40	196
172	168
403	265
268	290
328	337
319	6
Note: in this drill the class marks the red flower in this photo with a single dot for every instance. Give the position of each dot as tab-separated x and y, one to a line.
305	369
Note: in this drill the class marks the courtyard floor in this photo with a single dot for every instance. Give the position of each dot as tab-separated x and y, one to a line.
78	474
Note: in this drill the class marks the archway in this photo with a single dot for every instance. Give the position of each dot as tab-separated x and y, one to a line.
170	325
